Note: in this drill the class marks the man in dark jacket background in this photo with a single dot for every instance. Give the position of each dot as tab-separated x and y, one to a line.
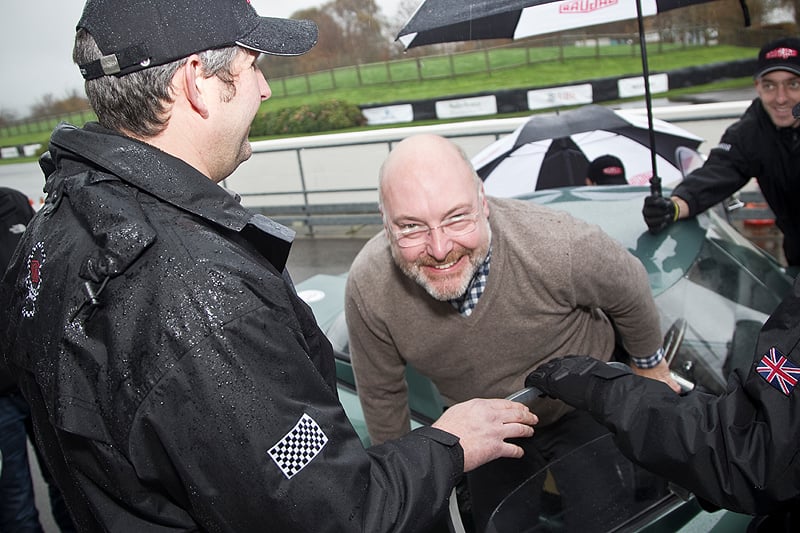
763	144
17	505
176	381
18	510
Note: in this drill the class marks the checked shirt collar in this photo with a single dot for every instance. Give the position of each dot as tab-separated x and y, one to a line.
466	303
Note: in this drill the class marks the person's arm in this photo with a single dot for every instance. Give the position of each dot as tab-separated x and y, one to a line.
737	451
610	278
728	168
246	434
379	370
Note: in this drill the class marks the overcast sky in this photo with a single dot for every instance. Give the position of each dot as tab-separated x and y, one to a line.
36	46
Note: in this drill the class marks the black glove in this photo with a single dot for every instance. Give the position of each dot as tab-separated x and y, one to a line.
570	378
659	212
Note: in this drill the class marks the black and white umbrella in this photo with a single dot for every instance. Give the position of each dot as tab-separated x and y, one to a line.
443	21
555	150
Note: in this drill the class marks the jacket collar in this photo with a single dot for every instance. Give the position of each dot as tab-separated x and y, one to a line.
171	180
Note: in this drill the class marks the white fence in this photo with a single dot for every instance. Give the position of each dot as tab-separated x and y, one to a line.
336	174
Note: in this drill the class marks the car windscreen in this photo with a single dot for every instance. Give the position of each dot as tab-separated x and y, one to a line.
725	297
542	505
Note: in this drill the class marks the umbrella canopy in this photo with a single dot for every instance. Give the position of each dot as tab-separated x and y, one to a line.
443	21
555	150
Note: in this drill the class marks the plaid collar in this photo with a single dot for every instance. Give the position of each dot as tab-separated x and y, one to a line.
466	303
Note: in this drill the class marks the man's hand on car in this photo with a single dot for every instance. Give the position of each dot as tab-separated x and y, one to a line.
659	212
482	427
659	372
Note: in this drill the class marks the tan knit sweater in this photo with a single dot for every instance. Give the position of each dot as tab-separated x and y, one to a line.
550	273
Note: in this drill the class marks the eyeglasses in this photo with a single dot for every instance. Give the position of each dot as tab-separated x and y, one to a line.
416	234
770	86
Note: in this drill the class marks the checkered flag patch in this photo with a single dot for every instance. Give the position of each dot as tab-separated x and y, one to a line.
298	447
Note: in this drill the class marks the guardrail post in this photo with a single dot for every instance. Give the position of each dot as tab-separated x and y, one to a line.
307	214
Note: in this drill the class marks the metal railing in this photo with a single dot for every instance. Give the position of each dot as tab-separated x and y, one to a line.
331	180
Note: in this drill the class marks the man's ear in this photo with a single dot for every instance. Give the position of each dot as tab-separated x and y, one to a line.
195	85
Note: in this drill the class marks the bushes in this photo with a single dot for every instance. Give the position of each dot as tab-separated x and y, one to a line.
311	118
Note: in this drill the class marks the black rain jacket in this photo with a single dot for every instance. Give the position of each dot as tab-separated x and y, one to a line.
15	213
740	450
753	147
176	381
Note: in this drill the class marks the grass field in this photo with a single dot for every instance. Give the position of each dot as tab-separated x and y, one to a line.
441	76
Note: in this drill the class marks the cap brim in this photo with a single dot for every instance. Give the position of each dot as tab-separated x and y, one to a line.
794	69
281	37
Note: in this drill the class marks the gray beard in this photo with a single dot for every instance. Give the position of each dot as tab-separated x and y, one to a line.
414	272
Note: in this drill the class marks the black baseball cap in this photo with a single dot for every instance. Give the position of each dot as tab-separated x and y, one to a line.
782	54
607	170
137	34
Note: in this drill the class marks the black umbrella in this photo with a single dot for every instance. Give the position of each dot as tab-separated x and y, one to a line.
442	21
554	150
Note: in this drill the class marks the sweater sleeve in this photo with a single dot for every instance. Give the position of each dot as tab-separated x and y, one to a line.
608	277
378	367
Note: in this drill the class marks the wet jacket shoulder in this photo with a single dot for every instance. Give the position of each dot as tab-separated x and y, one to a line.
153	325
738	450
15	213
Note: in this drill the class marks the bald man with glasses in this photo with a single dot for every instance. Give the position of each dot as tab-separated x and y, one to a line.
475	292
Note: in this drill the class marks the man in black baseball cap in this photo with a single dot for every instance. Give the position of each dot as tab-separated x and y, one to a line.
606	170
149	33
175	379
764	143
783	54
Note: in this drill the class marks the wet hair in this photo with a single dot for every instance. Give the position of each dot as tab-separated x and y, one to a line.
138	103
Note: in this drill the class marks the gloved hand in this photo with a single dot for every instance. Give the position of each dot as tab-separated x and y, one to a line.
659	212
570	378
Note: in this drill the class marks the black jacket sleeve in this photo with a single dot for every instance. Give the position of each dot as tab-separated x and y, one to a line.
728	168
264	443
739	450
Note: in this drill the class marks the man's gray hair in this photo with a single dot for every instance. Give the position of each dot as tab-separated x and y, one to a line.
138	103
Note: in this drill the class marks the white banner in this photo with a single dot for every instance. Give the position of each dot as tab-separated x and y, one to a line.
627	87
467	107
570	14
390	114
560	96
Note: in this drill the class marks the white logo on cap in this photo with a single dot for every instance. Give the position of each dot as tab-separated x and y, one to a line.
781	53
33	279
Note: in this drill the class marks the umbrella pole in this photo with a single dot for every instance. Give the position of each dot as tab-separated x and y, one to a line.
655	181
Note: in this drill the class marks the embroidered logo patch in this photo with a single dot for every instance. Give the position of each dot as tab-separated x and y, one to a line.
298	447
781	53
33	279
779	371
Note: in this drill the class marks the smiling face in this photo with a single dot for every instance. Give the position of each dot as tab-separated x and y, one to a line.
426	183
779	91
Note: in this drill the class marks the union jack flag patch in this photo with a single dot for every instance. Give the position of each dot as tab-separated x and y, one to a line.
778	371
